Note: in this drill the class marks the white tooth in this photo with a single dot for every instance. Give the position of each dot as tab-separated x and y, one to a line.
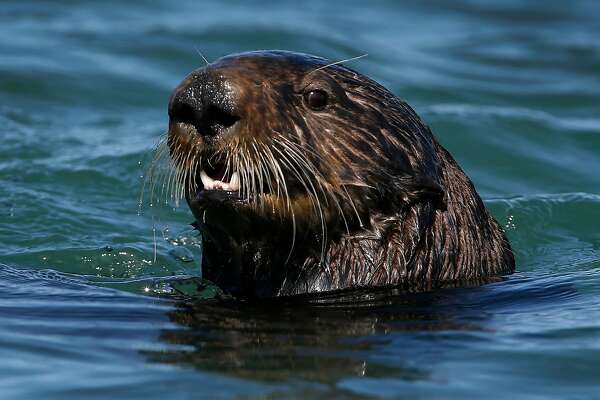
211	184
234	182
207	181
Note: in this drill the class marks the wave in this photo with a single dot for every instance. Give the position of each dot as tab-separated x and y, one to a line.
511	113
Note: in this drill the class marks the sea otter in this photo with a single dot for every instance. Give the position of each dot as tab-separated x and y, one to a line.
305	176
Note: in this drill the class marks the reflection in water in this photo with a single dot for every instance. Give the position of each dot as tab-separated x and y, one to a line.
319	339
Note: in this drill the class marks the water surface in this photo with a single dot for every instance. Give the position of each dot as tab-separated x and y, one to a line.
88	306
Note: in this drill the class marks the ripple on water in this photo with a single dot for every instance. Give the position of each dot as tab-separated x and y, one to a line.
510	88
591	125
553	230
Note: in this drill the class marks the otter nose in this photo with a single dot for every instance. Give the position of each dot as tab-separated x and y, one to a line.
206	102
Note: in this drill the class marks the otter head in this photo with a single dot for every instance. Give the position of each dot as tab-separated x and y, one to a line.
281	154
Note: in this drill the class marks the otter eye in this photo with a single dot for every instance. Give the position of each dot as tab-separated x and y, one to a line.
316	99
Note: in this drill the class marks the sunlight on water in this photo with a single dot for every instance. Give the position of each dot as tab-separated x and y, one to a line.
100	287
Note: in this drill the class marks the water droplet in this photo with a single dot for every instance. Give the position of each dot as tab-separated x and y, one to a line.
182	254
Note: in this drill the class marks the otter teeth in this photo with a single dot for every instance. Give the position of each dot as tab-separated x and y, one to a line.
212	184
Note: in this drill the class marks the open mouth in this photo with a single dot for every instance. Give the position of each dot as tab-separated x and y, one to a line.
217	177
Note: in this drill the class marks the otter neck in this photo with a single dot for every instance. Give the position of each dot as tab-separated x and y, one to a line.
420	244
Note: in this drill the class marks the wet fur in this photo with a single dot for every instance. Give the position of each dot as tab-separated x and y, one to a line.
359	194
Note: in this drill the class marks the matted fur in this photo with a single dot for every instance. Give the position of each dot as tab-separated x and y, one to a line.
357	194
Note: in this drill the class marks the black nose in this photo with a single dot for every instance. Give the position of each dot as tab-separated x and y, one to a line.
206	102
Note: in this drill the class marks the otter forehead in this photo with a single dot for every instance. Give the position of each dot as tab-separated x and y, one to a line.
249	70
270	65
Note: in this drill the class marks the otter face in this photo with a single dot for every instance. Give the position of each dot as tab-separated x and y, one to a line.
290	140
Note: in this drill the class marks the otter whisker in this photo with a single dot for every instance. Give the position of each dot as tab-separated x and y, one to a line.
179	182
275	166
176	185
153	171
332	193
173	177
336	63
162	178
307	168
166	186
266	171
327	191
312	195
190	174
360	223
256	193
279	172
228	170
201	55
259	174
197	164
181	177
245	166
185	178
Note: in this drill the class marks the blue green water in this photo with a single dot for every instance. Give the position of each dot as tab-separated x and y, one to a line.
511	88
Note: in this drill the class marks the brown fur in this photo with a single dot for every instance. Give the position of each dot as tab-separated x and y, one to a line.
358	194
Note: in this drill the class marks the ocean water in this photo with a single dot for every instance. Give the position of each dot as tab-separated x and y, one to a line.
91	288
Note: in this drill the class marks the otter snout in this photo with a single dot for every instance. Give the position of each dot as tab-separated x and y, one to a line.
206	101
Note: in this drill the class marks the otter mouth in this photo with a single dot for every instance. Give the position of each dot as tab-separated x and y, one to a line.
231	182
199	168
216	184
216	177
